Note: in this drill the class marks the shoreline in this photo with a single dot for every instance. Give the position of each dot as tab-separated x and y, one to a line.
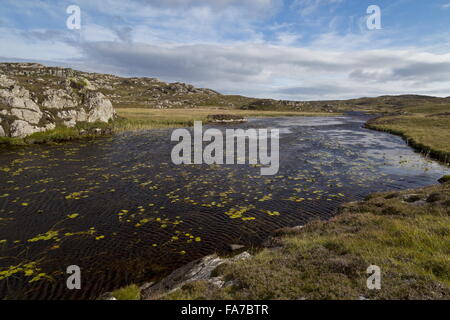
427	151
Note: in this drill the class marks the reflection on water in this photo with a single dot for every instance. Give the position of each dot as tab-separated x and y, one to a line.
120	210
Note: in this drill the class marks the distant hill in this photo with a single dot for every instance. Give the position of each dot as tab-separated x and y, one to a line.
153	93
142	92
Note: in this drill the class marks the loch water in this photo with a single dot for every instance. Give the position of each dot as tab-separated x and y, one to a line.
124	213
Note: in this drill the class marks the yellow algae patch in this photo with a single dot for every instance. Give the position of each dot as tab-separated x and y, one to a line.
49	235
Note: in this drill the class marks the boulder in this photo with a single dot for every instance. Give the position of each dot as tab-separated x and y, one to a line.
99	108
198	270
21	129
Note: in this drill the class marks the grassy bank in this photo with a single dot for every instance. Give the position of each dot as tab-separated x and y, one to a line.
426	133
406	234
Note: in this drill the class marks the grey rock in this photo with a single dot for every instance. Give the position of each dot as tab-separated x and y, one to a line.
21	129
72	116
31	116
146	285
217	281
18	97
5	81
243	256
58	99
2	131
99	108
195	271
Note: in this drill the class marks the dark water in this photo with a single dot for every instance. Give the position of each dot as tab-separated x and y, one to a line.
120	210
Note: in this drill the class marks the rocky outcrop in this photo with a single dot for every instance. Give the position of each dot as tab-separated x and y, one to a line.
33	105
198	270
136	92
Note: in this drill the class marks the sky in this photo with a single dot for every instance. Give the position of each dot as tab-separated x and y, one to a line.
281	49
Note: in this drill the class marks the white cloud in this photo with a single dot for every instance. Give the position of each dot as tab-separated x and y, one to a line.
287	38
306	73
38	44
307	7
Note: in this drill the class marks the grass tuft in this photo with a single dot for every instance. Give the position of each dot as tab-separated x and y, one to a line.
131	292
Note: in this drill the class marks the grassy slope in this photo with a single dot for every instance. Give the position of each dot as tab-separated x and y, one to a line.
409	241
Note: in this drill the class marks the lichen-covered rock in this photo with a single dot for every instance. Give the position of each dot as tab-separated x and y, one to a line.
198	270
31	116
33	105
58	99
18	97
71	117
21	128
99	108
5	81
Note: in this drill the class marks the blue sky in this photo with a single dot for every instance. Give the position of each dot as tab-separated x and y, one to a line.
291	49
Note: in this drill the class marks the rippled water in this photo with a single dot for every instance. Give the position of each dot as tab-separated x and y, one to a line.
120	210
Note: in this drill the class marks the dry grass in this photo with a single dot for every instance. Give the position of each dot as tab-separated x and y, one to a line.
135	119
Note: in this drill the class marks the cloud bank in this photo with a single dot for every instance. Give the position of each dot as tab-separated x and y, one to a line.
254	48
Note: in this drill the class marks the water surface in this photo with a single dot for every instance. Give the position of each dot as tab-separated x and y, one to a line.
120	210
